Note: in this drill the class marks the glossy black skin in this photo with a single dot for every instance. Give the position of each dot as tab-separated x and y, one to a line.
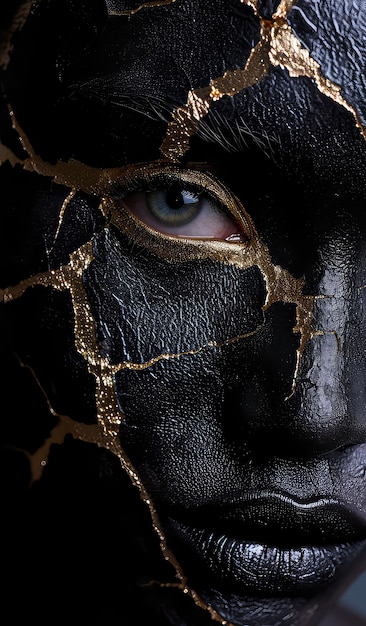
203	428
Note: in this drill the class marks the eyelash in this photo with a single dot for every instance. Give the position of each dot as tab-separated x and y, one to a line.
164	181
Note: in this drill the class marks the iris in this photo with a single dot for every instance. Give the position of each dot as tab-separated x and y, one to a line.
174	207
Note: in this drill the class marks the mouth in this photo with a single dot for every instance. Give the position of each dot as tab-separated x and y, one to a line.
266	543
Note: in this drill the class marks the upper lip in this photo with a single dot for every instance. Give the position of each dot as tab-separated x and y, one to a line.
278	517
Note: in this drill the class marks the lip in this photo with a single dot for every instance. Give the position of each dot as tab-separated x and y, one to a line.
267	542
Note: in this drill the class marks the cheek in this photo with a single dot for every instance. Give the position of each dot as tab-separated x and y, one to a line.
169	329
171	428
147	309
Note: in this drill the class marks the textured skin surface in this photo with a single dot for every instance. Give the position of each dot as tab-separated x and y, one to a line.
218	414
324	29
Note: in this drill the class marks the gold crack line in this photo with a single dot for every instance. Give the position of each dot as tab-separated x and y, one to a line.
69	277
284	8
65	426
282	11
251	3
72	173
168	555
91	177
171	355
60	278
194	596
145	5
96	435
185	119
278	46
109	413
64	206
17	24
287	52
8	155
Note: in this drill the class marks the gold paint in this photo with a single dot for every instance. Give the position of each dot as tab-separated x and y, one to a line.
277	46
105	433
280	284
64	206
144	5
284	8
251	3
90	433
69	277
6	44
185	119
130	365
66	426
287	52
72	173
8	155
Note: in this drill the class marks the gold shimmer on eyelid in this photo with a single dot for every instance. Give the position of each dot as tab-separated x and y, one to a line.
144	5
278	46
18	21
200	178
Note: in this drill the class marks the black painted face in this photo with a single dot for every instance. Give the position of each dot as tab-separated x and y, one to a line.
189	194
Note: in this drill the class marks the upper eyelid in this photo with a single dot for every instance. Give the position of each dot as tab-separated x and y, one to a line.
139	176
159	180
153	183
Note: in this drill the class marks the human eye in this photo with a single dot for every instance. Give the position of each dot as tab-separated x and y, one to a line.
183	203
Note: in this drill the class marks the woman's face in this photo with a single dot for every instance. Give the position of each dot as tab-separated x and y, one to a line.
194	234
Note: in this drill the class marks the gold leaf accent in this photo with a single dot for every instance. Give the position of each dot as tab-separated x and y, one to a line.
278	46
287	52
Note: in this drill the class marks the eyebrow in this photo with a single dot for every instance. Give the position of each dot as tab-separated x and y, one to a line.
235	135
109	90
231	135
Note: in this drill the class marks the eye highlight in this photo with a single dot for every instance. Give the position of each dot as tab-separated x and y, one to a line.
183	203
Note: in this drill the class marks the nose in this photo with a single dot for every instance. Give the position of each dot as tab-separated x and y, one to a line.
323	407
327	408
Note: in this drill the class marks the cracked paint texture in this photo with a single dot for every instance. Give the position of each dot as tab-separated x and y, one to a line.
137	310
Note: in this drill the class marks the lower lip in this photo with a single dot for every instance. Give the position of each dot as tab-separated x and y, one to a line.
247	566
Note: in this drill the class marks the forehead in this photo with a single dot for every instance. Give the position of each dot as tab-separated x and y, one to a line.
116	82
101	81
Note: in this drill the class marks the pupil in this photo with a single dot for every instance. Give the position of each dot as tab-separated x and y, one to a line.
174	199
